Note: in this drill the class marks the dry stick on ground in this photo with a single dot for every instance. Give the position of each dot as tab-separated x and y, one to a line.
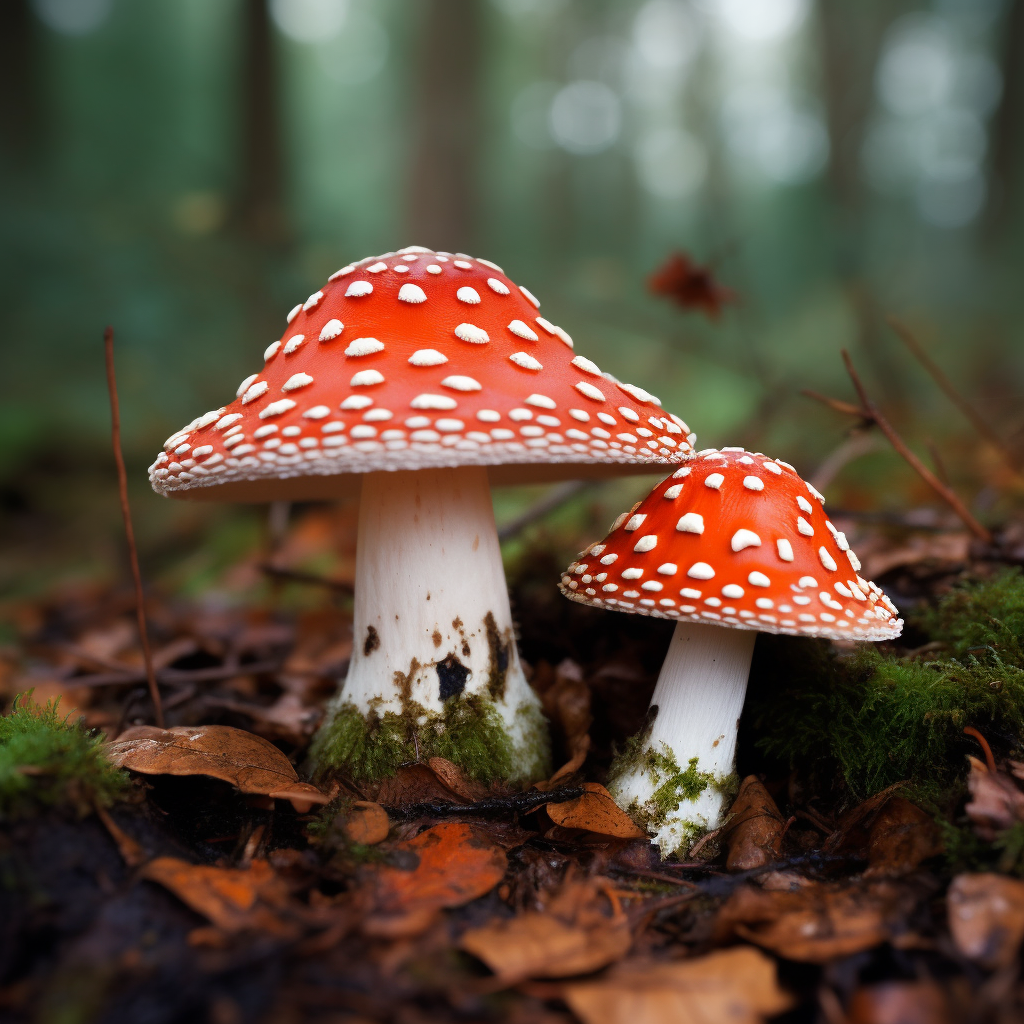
946	385
122	483
869	413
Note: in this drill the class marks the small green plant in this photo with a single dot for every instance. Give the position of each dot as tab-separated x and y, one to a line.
47	761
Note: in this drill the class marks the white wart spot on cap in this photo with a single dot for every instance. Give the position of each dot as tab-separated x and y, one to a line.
785	549
635	521
357	402
312	301
540	401
270	351
758	579
254	392
428	357
296	381
293	343
364	347
632	574
714	481
357	289
225	421
412	293
364	378
744	539
469	295
331	330
497	286
532	298
589	391
700	571
753	483
520	330
646	543
433	268
638	393
317	412
282	405
527	362
473	334
827	560
457	382
294	312
377	268
584	364
488	416
427	401
804	527
733	591
244	386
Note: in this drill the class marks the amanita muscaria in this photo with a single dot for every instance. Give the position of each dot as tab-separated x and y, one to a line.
731	544
423	372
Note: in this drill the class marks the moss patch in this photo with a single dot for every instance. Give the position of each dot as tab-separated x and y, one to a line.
469	731
878	718
48	761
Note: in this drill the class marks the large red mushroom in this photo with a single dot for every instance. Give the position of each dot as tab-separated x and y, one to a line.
423	374
731	544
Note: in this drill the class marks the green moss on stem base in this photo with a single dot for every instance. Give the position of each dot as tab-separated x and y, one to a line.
469	731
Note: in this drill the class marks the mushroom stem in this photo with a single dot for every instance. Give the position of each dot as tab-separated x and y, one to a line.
676	777
434	668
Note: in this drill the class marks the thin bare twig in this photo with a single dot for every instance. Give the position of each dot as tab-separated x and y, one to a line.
847	408
122	483
946	385
296	576
176	676
554	498
870	411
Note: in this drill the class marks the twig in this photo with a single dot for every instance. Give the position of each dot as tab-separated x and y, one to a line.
852	448
946	385
517	803
937	461
551	500
170	676
122	483
296	576
989	758
836	405
870	411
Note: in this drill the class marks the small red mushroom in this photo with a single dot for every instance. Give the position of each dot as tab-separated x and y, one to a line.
731	544
423	372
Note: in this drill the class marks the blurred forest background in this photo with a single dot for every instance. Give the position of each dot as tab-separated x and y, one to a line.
186	170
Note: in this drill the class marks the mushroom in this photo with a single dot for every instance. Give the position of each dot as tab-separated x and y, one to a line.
731	544
421	373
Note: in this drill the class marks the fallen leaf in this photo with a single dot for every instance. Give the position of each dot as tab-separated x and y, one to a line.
574	934
986	918
690	286
452	776
595	811
900	1002
366	823
733	986
415	784
232	899
820	922
996	803
902	836
754	835
247	761
445	866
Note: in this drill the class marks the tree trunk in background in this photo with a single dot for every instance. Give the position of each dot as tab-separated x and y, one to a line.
19	92
1005	162
446	132
261	205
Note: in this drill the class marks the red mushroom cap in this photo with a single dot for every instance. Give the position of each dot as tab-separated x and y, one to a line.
415	360
734	539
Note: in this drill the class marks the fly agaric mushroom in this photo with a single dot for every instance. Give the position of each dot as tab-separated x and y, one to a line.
421	370
730	545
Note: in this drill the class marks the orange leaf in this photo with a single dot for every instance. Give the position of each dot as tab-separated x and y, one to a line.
595	811
366	823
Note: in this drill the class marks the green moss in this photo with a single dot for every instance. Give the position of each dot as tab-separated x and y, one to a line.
469	732
878	718
47	761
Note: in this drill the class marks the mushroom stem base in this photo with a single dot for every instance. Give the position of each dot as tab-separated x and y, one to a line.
435	661
675	778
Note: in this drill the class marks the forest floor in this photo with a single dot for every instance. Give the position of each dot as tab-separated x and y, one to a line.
868	873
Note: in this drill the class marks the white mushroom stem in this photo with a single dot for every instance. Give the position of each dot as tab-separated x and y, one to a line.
432	622
699	697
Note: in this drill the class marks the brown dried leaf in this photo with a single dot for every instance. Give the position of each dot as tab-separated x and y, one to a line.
366	823
445	866
573	935
247	761
997	802
232	899
452	776
415	784
902	836
820	922
690	286
595	811
754	835
986	918
738	986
